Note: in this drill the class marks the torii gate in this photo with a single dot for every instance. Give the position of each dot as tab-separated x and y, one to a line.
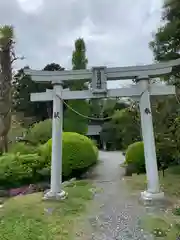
98	77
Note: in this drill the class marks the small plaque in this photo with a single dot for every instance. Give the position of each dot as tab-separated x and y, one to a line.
99	80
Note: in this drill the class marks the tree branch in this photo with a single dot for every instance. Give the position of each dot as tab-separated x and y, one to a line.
17	58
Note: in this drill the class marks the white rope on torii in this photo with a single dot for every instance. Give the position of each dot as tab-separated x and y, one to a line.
99	77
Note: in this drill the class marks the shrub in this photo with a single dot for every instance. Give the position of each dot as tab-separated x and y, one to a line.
135	156
40	132
122	130
166	150
96	150
19	169
22	148
110	136
127	123
12	172
79	153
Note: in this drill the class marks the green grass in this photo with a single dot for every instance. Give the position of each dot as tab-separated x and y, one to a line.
30	218
169	183
164	226
161	227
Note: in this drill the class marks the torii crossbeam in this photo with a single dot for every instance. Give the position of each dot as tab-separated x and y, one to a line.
98	76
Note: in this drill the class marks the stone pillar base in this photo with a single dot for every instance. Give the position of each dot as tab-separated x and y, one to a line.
49	195
147	196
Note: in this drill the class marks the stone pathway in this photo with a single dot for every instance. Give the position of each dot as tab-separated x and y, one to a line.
118	212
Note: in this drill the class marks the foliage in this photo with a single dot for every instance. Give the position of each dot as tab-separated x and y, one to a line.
135	156
16	129
165	112
109	135
79	59
18	169
6	34
40	132
37	164
96	150
176	211
12	172
23	86
105	109
165	47
26	164
22	148
166	150
128	123
79	153
166	42
111	105
123	129
72	121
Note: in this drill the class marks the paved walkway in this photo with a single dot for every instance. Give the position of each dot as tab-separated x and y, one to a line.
117	211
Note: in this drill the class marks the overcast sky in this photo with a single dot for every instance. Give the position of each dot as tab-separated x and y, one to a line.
116	32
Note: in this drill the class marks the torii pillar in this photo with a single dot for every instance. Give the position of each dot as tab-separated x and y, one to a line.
56	191
153	188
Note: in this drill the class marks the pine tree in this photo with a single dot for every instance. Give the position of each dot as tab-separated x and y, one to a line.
72	121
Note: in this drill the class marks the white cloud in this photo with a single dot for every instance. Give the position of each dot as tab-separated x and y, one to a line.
30	6
116	32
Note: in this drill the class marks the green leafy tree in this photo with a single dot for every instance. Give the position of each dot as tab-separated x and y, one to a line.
166	43
123	129
166	46
111	105
23	86
72	121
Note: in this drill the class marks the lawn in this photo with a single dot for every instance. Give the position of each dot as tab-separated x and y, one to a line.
164	226
169	183
30	218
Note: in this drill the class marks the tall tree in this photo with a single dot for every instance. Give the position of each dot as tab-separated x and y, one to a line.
23	86
166	46
72	121
6	59
166	43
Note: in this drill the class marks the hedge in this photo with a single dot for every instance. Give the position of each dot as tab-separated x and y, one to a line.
135	156
25	166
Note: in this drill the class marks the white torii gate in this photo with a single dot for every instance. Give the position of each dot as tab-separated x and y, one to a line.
98	77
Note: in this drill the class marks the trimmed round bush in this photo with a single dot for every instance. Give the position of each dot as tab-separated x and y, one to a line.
25	165
135	156
79	153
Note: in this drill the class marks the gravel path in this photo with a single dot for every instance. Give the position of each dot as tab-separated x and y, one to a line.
117	211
